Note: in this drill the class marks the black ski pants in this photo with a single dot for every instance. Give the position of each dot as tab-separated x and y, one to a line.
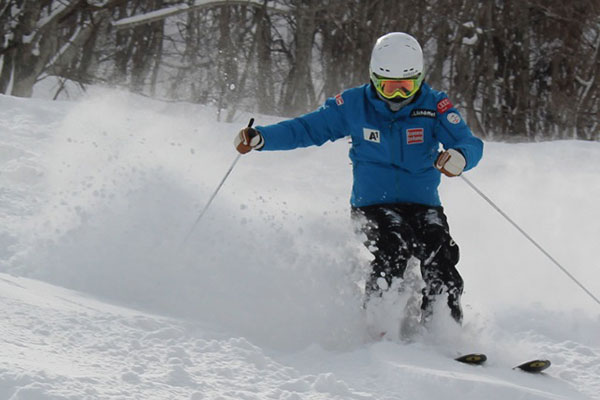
395	233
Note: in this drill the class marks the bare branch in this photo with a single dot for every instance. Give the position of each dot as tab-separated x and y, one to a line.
157	15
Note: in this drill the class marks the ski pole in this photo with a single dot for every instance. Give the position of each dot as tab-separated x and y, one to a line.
215	192
563	269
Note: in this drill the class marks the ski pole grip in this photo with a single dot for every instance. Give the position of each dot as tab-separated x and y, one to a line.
252	133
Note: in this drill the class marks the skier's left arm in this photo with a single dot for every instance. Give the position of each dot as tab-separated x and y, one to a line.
456	137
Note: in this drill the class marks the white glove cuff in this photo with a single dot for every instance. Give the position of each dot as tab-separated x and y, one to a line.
456	164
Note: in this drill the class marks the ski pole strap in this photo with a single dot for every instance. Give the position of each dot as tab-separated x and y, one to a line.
563	269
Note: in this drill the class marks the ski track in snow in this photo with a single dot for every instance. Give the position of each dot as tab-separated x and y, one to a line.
96	196
58	344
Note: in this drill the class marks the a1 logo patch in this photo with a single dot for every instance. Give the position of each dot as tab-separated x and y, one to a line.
372	135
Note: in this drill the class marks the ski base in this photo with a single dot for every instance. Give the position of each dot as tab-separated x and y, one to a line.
533	366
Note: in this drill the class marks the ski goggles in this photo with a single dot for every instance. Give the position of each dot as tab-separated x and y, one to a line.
394	88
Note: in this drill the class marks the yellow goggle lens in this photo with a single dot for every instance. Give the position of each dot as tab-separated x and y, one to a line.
392	88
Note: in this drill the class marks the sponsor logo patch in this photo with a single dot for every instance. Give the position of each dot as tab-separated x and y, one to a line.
421	112
372	135
415	135
453	118
444	105
338	100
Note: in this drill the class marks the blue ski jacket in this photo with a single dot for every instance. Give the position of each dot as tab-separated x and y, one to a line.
392	153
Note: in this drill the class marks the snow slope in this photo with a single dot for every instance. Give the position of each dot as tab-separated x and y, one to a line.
103	300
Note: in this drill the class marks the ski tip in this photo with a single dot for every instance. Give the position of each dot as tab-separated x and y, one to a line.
473	359
534	366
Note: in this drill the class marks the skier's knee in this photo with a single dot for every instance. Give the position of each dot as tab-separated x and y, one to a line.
451	252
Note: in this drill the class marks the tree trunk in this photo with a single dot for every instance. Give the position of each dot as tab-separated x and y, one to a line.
299	95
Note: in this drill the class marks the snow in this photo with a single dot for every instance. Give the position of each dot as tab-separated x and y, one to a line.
64	47
470	41
101	299
152	15
59	9
180	8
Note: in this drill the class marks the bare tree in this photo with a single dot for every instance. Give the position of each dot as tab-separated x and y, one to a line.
516	69
44	36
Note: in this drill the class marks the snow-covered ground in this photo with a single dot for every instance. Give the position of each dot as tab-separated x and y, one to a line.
102	300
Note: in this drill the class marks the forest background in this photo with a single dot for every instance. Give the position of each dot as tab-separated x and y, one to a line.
525	70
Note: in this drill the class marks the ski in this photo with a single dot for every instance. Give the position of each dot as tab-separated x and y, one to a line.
532	366
473	359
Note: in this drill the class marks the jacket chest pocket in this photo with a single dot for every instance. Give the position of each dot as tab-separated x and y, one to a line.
371	144
419	148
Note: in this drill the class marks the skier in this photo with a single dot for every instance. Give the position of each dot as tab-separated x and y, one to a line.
396	123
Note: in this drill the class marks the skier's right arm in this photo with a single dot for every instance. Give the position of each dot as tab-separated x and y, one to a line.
312	129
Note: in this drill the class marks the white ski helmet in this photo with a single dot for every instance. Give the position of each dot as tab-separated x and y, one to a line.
397	55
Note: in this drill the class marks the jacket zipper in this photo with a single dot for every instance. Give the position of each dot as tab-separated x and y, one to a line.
400	138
